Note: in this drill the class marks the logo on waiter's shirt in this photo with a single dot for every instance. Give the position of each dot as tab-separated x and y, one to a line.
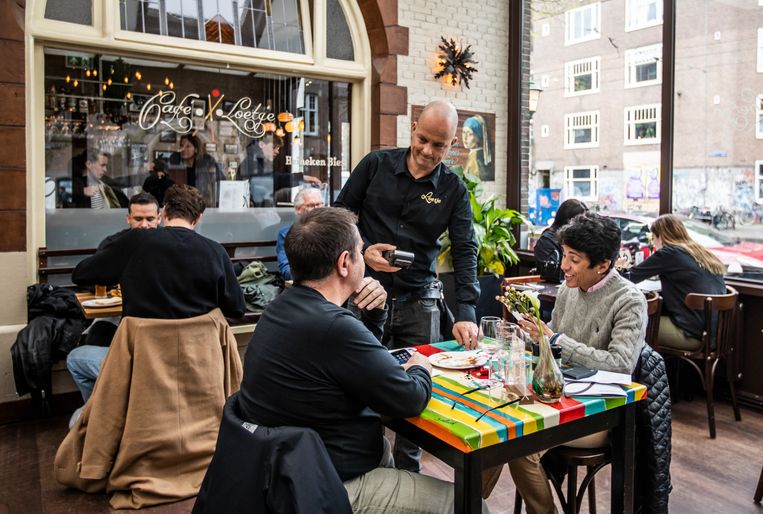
429	198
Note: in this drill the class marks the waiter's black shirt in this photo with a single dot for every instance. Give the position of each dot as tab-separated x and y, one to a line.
411	214
312	364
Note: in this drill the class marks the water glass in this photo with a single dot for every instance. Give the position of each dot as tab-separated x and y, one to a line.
489	331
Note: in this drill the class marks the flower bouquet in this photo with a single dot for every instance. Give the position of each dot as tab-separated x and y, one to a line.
547	381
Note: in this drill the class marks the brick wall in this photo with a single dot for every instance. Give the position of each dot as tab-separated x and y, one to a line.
12	126
480	24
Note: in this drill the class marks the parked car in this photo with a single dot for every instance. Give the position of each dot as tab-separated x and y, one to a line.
742	256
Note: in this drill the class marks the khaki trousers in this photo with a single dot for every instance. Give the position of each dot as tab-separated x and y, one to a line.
532	482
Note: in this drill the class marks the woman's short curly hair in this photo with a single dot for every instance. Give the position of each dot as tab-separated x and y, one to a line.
594	235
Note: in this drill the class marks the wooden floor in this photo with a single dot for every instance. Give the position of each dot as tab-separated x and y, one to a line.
709	476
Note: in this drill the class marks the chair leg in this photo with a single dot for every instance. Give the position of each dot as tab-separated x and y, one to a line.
734	404
572	490
759	490
709	369
592	493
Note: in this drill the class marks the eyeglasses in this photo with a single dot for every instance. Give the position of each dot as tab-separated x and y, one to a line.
515	400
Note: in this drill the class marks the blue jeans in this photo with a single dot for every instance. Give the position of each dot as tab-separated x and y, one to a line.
84	364
410	323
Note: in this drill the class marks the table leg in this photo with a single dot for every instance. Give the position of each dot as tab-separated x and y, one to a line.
468	484
623	461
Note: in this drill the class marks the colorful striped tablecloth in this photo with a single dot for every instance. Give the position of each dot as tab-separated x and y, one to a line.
458	426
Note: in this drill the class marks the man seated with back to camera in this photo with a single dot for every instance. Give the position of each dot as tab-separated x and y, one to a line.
311	363
167	273
84	362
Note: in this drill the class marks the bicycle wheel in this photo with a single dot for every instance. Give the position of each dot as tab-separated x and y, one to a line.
745	218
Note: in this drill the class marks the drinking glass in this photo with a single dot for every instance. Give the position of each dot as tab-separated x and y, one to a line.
489	331
101	292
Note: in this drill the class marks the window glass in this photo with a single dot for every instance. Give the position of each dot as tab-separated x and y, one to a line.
115	126
338	37
73	11
717	145
595	134
269	24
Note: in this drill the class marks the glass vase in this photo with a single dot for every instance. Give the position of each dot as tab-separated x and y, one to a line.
548	382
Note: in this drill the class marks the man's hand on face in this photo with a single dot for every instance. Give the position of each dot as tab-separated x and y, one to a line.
377	262
370	295
466	333
418	360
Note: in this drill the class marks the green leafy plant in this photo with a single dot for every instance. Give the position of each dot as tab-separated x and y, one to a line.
492	227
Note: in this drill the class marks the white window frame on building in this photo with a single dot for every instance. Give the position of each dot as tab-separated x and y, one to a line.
311	114
759	116
637	14
758	181
581	121
570	181
581	68
640	115
573	18
636	57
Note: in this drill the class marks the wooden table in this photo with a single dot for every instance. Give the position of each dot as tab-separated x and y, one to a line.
97	312
454	436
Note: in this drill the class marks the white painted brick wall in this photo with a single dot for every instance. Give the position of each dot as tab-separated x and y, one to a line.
483	25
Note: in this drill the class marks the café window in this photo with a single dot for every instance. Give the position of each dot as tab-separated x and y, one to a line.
582	77
640	14
116	126
582	24
311	114
642	124
581	182
643	66
582	130
268	24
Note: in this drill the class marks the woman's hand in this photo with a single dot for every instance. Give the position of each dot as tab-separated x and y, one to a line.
528	325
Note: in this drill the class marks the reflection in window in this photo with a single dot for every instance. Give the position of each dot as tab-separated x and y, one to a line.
338	37
269	24
115	126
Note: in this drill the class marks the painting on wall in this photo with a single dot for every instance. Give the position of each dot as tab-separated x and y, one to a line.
474	152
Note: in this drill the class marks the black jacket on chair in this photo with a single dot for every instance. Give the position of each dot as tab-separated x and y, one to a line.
269	469
653	433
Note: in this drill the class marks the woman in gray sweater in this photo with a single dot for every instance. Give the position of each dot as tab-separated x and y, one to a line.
599	320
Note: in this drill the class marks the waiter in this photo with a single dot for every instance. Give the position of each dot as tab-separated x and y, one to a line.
405	199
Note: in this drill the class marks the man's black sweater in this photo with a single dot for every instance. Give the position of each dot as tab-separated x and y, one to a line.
312	364
165	273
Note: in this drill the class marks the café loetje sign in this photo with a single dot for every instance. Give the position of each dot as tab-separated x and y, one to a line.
162	109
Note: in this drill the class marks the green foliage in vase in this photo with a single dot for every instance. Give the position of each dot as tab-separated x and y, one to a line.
492	228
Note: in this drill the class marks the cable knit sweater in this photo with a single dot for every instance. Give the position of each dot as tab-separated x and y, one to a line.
602	329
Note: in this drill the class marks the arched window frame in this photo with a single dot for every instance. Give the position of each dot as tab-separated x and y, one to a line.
105	35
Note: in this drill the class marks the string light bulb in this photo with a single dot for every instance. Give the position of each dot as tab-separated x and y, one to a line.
148	86
126	80
95	73
76	83
104	87
138	75
108	81
172	85
68	79
166	81
87	73
279	132
129	95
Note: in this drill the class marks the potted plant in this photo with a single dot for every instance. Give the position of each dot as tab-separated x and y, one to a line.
495	238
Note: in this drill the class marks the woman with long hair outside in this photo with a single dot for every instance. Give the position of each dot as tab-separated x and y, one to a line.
684	266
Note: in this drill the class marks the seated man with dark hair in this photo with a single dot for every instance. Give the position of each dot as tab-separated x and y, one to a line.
167	273
311	363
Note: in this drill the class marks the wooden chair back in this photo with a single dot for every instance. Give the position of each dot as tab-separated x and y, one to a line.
724	307
653	311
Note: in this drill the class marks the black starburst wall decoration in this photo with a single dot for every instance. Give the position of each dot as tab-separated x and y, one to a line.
456	64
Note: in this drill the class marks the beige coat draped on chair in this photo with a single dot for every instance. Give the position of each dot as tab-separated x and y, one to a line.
148	432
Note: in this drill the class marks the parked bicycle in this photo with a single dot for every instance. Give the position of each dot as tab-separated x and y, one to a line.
721	218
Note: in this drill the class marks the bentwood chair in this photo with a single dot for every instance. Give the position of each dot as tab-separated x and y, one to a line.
719	340
653	309
759	490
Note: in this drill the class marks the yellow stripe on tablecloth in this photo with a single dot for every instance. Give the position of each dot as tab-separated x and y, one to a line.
486	432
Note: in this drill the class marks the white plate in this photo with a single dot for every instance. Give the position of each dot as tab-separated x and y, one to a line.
458	360
102	302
